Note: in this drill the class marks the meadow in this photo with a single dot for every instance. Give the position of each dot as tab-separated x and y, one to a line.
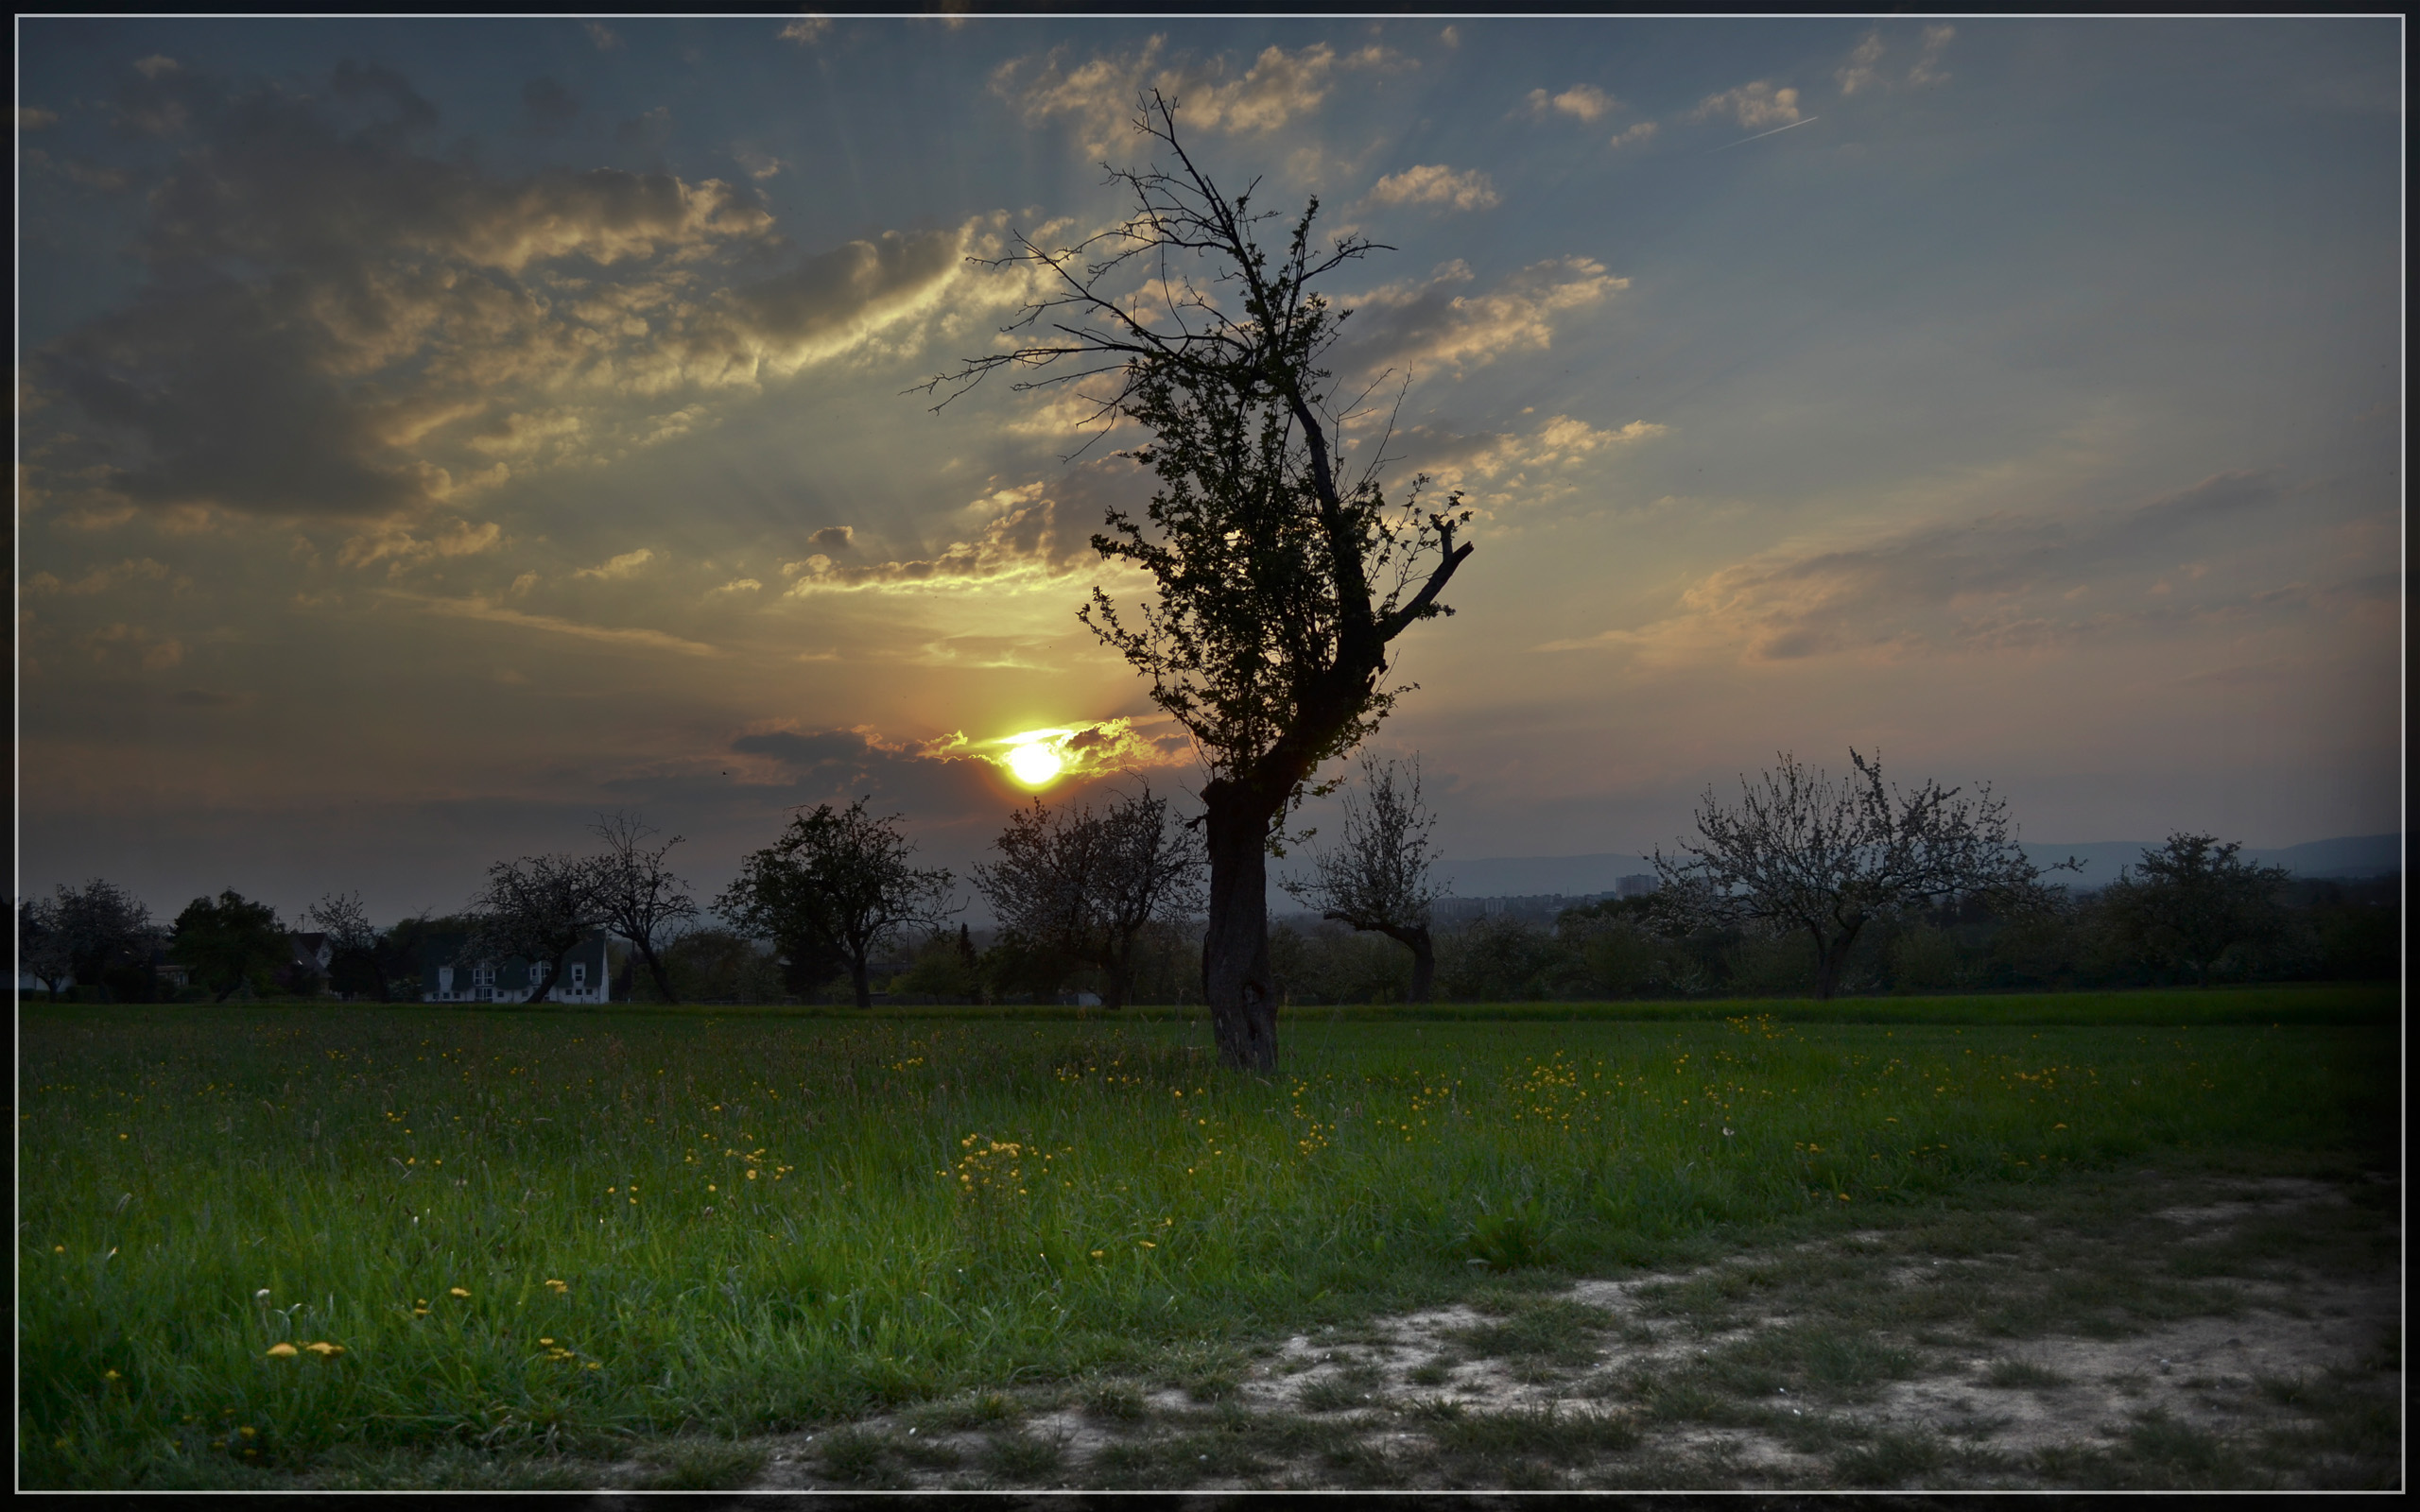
258	1242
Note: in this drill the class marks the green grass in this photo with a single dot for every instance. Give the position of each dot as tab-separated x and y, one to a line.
942	1207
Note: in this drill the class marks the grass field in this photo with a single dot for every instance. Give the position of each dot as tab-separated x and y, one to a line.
326	1244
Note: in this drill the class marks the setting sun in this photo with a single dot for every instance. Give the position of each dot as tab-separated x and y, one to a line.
1034	763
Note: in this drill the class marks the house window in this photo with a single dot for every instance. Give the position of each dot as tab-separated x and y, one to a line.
578	974
483	976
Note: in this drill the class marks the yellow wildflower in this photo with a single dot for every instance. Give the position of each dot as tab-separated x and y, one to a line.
322	1348
281	1350
459	1292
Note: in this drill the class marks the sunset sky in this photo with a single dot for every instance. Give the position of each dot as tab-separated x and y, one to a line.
433	433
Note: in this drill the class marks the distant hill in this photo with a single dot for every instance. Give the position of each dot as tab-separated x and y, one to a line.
2365	855
2357	855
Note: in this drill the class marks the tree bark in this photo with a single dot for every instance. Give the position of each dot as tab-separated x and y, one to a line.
1237	977
656	968
1424	962
1830	956
860	980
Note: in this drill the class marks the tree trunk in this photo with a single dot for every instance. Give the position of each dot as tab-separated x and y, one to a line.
656	968
860	980
1117	969
1830	956
1413	937
541	991
1236	974
1423	963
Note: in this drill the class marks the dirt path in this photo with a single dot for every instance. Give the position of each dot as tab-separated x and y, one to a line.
2145	1332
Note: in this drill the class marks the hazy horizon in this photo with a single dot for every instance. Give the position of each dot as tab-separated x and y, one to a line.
437	434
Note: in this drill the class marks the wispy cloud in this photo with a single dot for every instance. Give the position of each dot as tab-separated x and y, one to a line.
1443	322
1434	183
1580	102
621	566
494	614
2001	583
1097	93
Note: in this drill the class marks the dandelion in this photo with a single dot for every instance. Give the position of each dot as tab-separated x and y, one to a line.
545	1341
560	1286
59	1250
459	1292
324	1348
283	1350
112	1375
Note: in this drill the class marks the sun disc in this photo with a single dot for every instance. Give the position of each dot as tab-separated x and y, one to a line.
1035	765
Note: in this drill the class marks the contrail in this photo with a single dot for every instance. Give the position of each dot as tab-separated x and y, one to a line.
1761	135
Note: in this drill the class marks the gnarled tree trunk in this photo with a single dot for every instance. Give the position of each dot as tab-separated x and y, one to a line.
1236	974
1423	960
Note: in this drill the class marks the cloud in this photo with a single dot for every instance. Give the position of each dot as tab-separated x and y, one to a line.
1928	69
332	322
33	118
155	65
547	107
101	580
737	585
759	164
1753	105
1864	70
601	36
825	306
621	566
1020	544
1436	184
833	538
1996	584
1502	469
481	609
1434	323
401	550
848	762
807	29
1582	102
1100	92
1636	135
133	644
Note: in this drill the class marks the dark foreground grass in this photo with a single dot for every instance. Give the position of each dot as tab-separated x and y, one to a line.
521	1236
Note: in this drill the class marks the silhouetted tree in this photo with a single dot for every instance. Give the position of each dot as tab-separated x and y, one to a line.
1085	886
833	886
43	951
100	927
1377	877
539	908
1281	581
638	893
1803	853
352	944
2189	901
227	940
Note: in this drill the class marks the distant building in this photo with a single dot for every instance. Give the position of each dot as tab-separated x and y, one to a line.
1637	885
449	974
